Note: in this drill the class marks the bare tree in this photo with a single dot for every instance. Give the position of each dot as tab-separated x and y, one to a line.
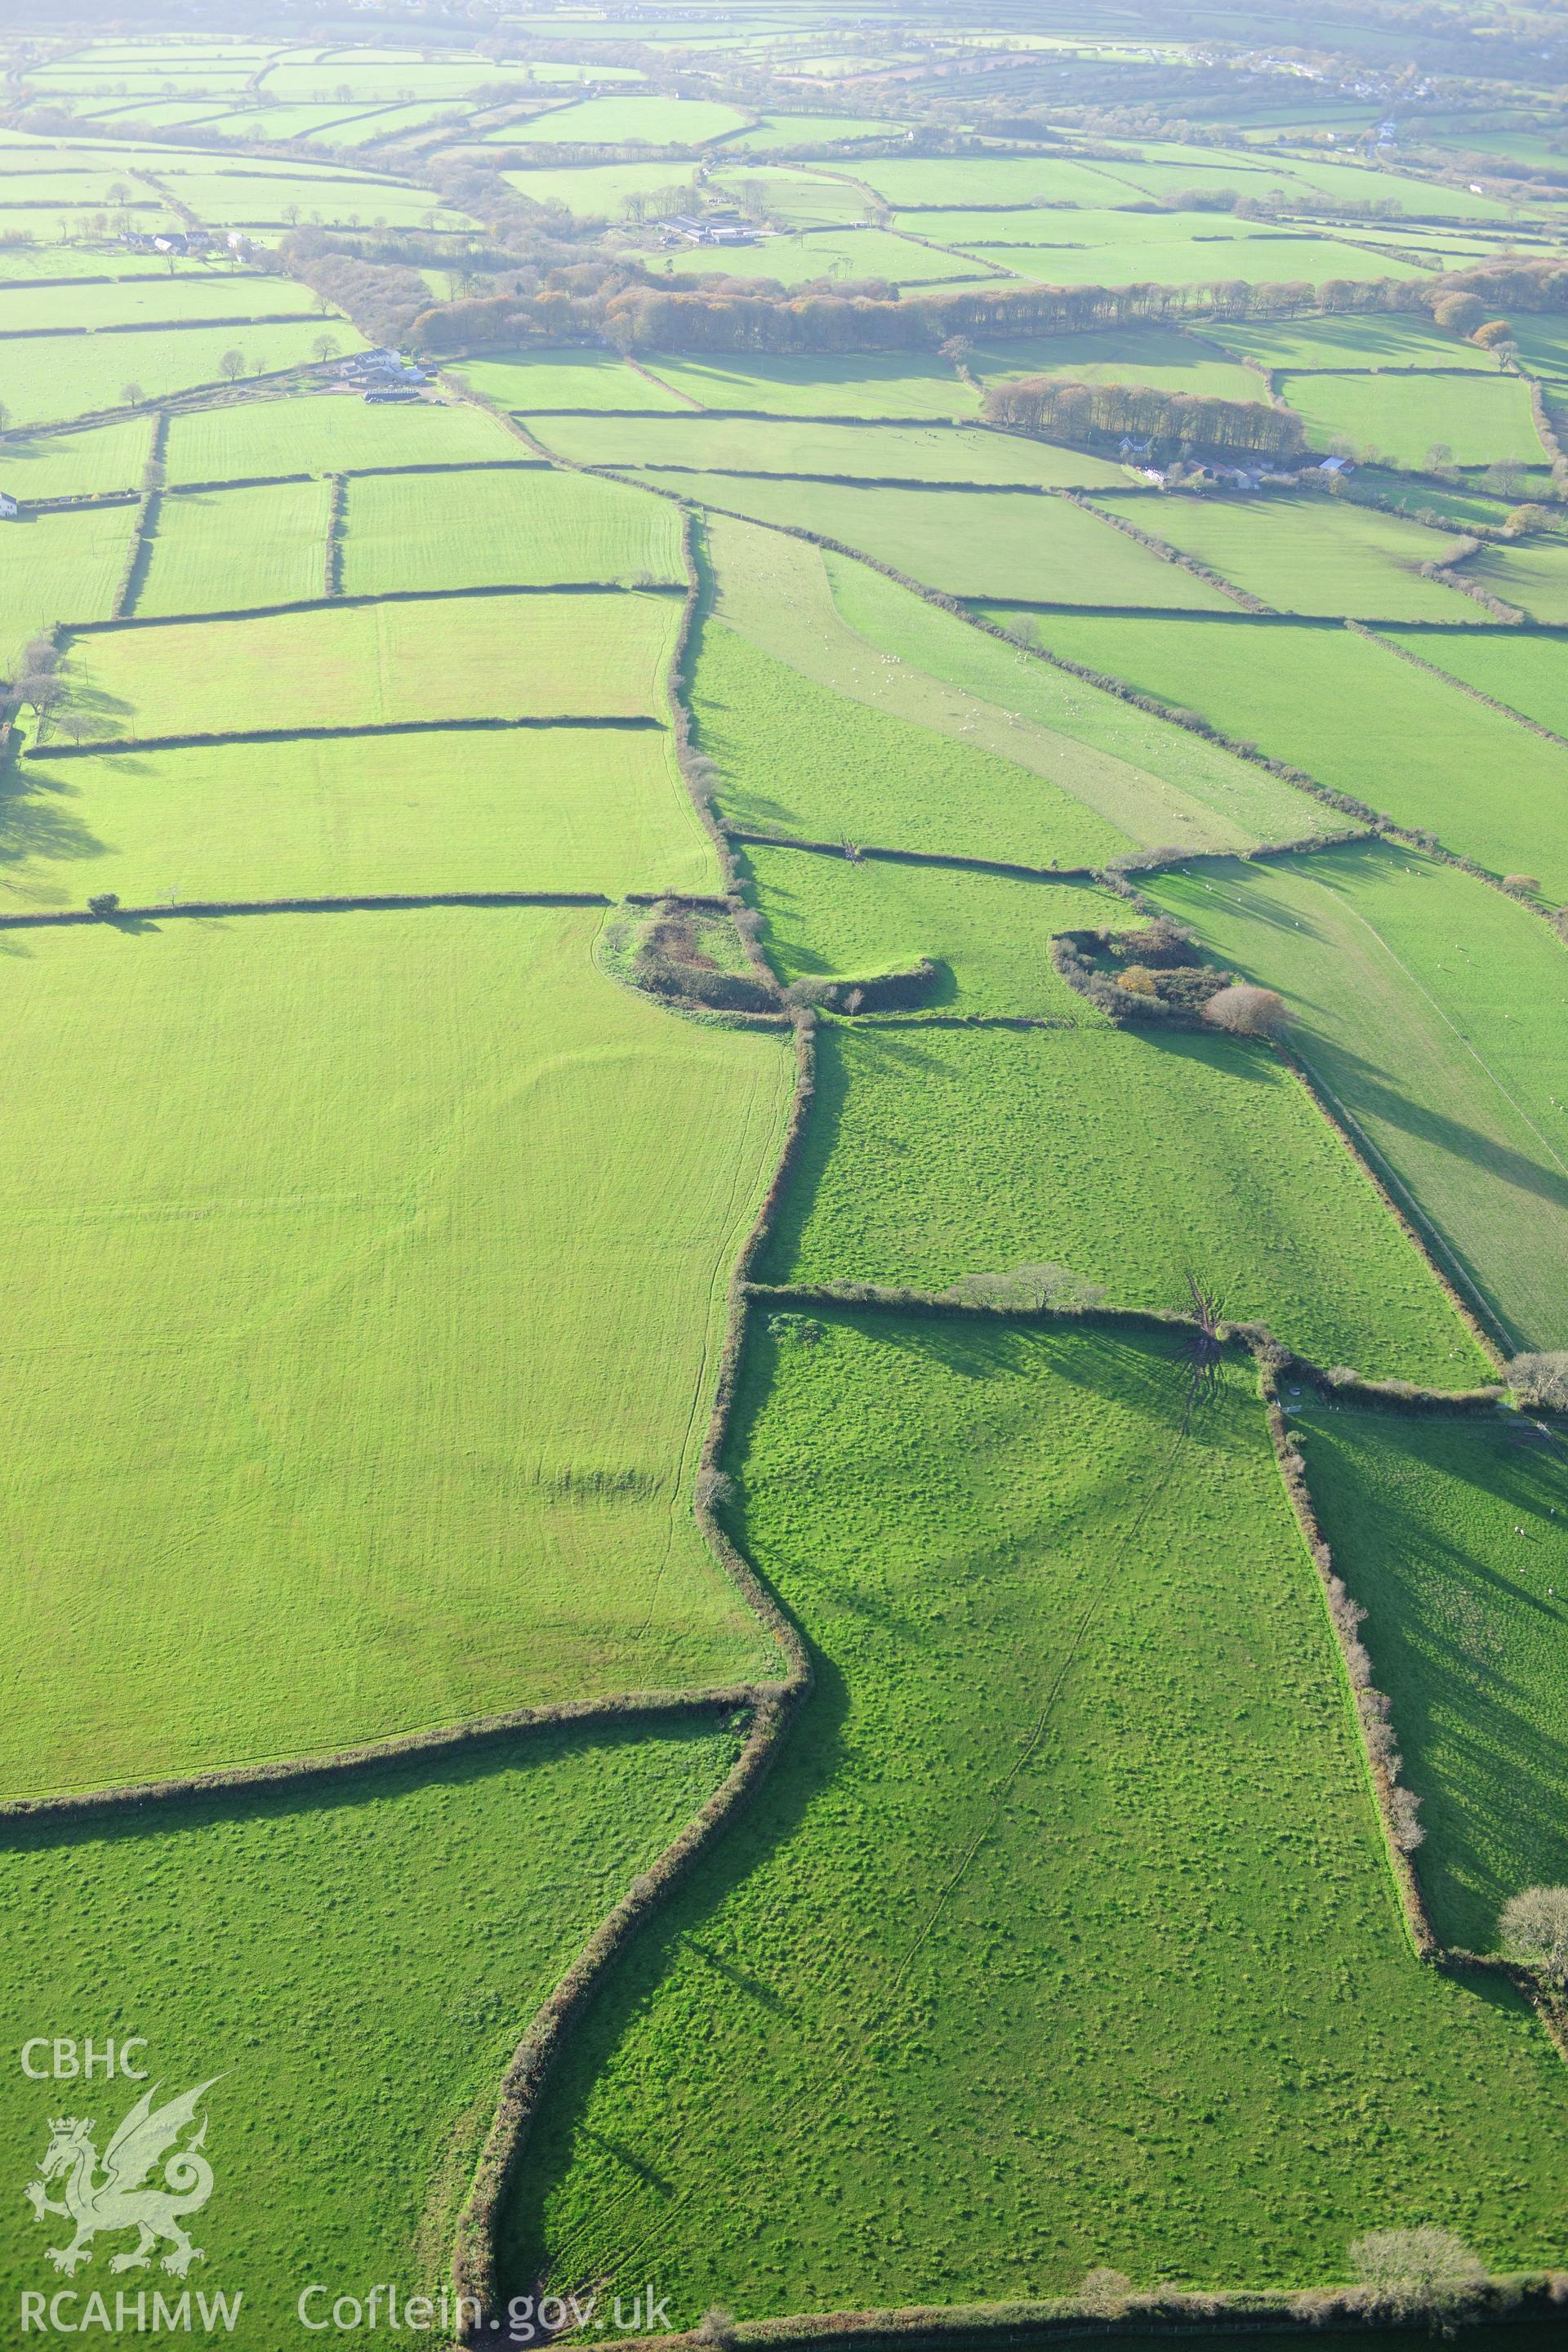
233	363
1542	1378
1409	2274
1246	1011
1533	1928
325	347
131	394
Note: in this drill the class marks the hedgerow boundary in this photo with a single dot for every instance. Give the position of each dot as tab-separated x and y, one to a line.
112	746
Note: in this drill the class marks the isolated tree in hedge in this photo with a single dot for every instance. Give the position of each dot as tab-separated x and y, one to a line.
1533	1928
1411	2273
1542	1378
325	347
232	362
1246	1011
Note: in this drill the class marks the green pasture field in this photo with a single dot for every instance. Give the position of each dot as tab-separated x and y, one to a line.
1451	1536
1430	197
795	758
1257	177
928	453
847	252
1393	341
1136	1158
357	1358
326	433
213	550
49	379
629	122
369	665
55	226
1542	344
541	809
602	191
988	934
1429	1008
470	529
70	189
1162	356
1062	1935
379	124
982	544
156	301
896	385
1480	418
76	465
800	197
379	1917
370	78
523	382
60	567
1531	573
1310	554
1526	671
943	182
258	200
1425	498
1354	717
854	630
25	265
1200	258
778	133
1101	224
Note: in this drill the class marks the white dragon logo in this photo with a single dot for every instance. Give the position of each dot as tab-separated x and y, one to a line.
119	2201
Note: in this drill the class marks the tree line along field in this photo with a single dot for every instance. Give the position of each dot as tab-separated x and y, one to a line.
984	1999
372	1265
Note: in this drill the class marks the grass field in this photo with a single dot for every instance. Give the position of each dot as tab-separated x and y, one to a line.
802	197
1523	670
938	182
1480	418
780	134
1356	717
988	934
983	1998
473	529
568	809
366	665
918	453
796	758
1430	1008
1135	1158
1450	1534
602	191
76	465
862	383
1201	258
258	199
219	549
156	301
381	1914
847	252
563	378
854	630
1312	554
323	433
996	543
1532	574
1162	356
60	567
429	1291
49	381
1388	340
629	122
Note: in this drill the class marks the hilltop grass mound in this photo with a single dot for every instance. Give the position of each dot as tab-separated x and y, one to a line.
358	1353
1062	1933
